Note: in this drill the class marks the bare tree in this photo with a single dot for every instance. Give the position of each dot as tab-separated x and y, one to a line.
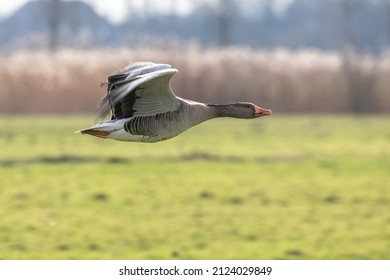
348	10
360	83
386	6
54	23
225	16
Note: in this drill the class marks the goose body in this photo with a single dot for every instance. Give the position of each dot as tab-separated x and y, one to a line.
144	108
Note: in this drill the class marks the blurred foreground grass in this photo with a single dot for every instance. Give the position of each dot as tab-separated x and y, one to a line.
290	187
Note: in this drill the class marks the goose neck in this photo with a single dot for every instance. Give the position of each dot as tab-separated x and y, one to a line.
219	111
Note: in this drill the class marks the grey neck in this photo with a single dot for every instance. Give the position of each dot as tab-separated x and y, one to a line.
220	111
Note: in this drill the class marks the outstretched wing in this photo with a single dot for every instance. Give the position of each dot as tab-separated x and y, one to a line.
142	89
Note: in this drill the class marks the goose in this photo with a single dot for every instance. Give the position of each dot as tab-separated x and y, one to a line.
144	108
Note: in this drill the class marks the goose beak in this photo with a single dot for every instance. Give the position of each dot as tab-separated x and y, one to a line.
260	112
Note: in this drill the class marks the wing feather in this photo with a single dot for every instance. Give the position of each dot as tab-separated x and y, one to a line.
142	89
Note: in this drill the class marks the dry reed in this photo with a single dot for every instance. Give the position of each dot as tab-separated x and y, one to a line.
304	81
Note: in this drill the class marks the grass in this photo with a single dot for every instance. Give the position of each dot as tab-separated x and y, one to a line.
282	187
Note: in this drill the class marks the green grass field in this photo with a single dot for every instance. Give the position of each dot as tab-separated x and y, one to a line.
281	187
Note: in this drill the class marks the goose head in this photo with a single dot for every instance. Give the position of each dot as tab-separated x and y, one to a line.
240	110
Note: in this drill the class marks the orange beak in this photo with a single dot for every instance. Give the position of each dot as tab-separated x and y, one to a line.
260	112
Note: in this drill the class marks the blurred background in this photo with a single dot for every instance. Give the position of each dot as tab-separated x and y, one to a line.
309	182
292	55
329	25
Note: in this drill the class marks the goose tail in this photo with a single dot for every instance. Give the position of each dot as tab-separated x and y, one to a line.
101	130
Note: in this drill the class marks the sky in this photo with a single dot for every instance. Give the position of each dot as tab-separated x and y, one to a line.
115	13
116	10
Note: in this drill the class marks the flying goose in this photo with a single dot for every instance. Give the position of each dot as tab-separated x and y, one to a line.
144	108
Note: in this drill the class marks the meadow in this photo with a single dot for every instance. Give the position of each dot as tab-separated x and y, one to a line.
282	187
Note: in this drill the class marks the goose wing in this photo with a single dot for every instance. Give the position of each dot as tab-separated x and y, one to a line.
142	89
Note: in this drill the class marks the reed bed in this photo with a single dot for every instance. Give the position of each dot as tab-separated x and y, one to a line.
67	81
